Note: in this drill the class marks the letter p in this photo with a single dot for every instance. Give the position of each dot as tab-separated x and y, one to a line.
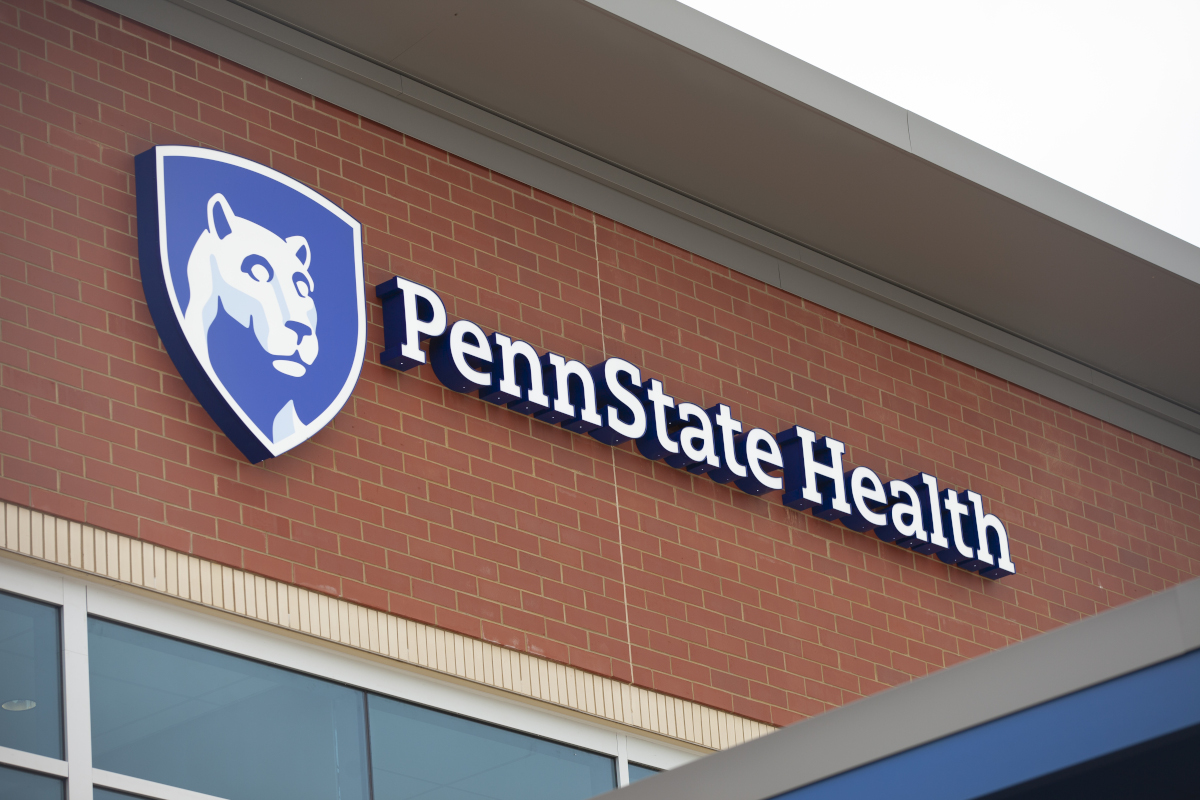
411	312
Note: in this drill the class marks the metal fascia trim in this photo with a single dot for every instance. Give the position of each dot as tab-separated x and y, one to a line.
742	54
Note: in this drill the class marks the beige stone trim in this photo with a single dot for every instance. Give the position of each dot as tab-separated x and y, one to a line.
148	566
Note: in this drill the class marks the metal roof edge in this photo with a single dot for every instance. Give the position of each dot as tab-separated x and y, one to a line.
741	53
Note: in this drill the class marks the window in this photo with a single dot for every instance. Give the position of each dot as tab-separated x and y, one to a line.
419	752
637	772
187	716
181	701
30	677
16	783
183	715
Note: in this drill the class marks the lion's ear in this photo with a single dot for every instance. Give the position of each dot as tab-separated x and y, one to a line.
220	216
300	247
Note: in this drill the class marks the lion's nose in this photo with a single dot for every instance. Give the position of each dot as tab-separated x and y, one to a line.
301	330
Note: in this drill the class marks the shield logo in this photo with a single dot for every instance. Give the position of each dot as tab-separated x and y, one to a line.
255	283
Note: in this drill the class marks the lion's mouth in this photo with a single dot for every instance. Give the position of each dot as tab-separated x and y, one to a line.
289	367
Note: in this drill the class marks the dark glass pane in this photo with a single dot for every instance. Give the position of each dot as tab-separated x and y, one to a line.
419	752
188	716
1166	768
637	772
109	794
30	677
17	784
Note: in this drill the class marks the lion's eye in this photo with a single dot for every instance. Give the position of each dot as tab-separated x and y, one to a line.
302	287
258	268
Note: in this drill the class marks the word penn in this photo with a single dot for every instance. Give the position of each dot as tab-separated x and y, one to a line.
614	403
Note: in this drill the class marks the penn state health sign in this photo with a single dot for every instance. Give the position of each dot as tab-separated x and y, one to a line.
613	402
240	262
255	283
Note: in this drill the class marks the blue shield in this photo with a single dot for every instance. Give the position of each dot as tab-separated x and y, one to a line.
255	284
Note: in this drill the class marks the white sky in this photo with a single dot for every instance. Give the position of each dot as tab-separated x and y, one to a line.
1102	96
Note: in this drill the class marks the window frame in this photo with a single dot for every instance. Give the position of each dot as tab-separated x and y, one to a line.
78	598
30	587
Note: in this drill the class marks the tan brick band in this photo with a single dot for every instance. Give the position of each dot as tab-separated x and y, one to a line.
148	566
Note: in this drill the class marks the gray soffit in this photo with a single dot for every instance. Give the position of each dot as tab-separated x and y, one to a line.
1023	675
667	121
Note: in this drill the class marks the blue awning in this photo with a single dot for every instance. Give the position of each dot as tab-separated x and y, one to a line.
1099	721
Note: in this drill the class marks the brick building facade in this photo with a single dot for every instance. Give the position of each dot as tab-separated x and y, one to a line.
446	510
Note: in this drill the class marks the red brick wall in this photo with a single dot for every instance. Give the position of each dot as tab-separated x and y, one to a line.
443	508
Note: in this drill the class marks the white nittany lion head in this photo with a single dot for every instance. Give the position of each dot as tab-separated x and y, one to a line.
258	278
